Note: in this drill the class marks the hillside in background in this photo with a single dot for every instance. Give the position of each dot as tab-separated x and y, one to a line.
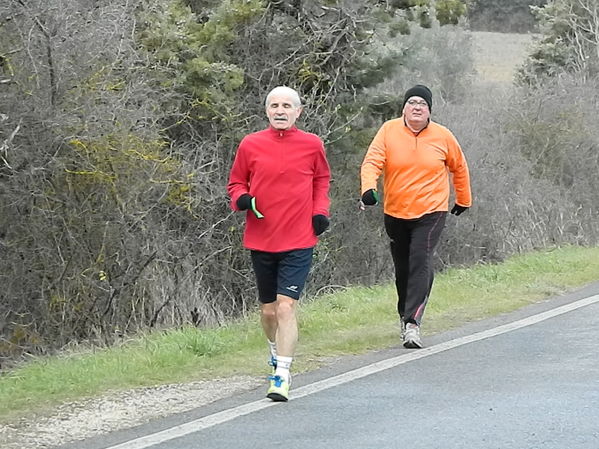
498	55
506	16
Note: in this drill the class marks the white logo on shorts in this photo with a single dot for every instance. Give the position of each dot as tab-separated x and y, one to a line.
293	288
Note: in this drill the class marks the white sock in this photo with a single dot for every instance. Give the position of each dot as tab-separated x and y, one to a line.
272	346
283	365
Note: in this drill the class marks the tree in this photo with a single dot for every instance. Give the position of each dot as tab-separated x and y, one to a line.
569	41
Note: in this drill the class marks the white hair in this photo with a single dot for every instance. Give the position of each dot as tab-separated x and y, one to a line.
287	91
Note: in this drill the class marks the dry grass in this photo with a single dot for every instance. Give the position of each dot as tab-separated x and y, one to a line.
498	55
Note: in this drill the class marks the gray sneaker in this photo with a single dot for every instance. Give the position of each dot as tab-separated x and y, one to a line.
411	336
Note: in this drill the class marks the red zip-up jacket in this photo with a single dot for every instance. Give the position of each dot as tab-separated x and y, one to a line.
288	174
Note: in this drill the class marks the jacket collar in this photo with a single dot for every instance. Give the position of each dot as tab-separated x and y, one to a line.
410	129
282	132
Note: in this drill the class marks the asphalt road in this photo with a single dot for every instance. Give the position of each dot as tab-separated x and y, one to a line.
527	380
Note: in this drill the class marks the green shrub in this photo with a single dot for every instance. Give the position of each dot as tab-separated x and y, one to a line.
449	12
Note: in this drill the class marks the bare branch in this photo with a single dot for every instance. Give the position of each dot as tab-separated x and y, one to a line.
6	144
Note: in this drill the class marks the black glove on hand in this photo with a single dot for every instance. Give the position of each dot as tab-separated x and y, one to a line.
320	223
244	202
247	201
457	209
370	197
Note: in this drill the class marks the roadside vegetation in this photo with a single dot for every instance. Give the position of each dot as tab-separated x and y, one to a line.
118	127
351	321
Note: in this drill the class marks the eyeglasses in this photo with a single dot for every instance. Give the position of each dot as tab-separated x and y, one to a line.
418	103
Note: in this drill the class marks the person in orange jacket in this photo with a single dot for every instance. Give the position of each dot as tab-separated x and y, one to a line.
418	159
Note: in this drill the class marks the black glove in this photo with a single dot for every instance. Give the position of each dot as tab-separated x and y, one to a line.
320	223
246	201
457	209
370	197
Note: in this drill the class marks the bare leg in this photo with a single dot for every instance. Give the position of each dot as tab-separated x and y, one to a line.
286	326
268	318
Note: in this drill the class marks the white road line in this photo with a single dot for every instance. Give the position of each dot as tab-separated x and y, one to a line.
230	414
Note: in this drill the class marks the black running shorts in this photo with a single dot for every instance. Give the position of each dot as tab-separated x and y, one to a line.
282	273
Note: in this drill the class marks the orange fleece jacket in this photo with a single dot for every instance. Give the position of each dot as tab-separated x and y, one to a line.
416	169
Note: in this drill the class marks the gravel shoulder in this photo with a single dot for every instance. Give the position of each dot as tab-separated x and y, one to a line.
74	421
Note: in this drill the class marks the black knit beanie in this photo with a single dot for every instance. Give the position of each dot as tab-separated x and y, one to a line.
421	91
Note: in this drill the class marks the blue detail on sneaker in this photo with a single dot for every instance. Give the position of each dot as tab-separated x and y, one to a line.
278	390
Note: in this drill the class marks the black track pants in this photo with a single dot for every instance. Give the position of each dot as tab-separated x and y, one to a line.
413	243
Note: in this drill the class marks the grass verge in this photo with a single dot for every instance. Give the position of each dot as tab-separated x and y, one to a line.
353	321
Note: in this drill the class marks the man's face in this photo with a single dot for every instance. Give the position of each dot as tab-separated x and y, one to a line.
416	111
281	112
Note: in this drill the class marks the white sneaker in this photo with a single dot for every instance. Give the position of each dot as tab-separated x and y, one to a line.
411	336
402	326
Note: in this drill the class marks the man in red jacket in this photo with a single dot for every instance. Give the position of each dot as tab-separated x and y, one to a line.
281	177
